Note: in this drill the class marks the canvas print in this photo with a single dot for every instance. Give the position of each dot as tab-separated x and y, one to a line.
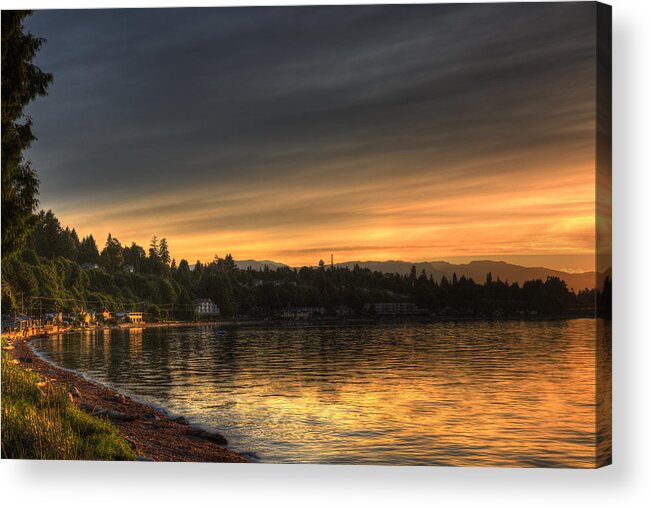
348	234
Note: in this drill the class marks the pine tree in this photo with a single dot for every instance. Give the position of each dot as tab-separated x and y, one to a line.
22	82
163	252
112	257
88	252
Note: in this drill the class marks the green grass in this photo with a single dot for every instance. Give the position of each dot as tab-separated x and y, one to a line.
40	422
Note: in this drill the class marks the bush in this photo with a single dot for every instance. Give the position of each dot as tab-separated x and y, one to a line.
154	311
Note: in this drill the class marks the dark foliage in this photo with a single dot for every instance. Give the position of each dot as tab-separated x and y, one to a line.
22	82
59	271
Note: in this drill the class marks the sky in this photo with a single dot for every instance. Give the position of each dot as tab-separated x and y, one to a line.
419	133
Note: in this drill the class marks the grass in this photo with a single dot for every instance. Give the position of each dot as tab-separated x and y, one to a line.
40	422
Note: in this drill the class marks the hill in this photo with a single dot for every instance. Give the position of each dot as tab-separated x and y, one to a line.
477	270
258	265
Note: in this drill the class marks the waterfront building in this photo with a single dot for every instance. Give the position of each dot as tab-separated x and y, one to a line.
205	307
130	316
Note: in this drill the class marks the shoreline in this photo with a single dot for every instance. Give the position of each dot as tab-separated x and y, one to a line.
304	323
154	435
375	320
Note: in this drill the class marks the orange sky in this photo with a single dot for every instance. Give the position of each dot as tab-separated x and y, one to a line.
548	212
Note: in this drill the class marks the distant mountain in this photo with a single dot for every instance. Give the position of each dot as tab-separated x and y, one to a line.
477	271
258	265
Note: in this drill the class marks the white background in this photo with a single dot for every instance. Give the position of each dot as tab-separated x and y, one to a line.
625	483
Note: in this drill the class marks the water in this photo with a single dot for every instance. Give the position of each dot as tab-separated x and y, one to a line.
466	393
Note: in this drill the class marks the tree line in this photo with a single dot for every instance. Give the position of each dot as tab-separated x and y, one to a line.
61	271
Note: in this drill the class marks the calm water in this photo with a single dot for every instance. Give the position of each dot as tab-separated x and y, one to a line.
470	393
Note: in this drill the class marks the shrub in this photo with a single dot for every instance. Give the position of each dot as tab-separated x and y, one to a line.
40	422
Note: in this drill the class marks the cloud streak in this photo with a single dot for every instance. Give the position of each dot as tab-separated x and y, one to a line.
417	132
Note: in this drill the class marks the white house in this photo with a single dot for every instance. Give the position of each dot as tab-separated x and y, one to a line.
206	307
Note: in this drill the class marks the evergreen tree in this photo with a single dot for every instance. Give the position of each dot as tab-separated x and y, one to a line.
229	263
68	244
135	256
154	260
88	252
163	252
153	247
22	82
112	257
45	236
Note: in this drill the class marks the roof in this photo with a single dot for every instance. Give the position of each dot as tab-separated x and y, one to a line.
203	300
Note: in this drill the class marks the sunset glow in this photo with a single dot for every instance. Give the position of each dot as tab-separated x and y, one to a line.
399	218
492	157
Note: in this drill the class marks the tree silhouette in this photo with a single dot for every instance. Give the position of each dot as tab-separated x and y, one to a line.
22	82
47	270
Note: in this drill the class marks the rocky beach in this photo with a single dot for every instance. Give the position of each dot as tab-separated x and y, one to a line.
154	436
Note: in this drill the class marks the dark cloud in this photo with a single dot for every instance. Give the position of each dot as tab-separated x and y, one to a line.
163	95
180	101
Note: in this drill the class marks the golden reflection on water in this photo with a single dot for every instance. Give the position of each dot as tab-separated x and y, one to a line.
468	393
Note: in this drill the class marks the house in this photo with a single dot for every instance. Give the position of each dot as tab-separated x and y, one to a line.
128	269
22	325
102	314
54	317
131	316
16	323
205	307
86	318
90	266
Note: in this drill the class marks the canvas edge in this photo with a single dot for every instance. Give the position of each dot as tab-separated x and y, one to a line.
603	233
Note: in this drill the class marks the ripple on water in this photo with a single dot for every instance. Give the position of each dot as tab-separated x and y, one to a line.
468	393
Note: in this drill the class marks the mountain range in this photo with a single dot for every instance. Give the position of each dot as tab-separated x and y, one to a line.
476	270
258	265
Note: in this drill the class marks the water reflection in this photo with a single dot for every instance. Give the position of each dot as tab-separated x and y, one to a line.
468	393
